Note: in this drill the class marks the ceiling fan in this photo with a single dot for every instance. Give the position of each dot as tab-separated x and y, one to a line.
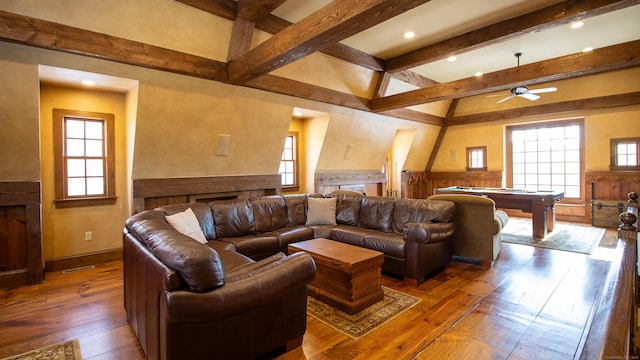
523	91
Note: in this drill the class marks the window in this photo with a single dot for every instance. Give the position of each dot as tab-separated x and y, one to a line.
477	158
84	158
625	154
546	157
289	163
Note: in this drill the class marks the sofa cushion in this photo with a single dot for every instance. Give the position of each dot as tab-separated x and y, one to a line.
376	212
348	206
186	223
350	234
321	211
291	235
233	218
269	213
255	246
198	264
419	211
296	208
388	243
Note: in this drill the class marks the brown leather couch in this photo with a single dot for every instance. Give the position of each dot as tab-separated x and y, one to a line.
239	296
188	300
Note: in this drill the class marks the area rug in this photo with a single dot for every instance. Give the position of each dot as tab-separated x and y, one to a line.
69	350
576	238
371	318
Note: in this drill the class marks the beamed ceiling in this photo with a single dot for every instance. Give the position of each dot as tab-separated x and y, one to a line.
368	33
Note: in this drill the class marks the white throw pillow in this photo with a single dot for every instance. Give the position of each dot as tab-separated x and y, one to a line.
321	211
187	223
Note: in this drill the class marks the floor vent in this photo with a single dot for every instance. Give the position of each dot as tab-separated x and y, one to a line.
81	268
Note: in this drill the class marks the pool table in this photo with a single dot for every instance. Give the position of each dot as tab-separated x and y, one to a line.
541	204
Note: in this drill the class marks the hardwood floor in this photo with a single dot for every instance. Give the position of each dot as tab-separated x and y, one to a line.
533	303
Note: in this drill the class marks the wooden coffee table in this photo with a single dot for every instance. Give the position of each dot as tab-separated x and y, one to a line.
347	276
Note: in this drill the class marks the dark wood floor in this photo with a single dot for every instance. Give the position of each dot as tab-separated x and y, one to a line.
532	304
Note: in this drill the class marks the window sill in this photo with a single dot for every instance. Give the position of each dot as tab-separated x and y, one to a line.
82	202
624	168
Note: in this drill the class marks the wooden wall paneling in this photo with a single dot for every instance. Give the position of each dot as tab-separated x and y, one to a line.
23	202
608	185
464	178
372	182
150	193
13	238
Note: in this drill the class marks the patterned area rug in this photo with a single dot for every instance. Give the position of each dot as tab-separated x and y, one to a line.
69	350
362	323
580	238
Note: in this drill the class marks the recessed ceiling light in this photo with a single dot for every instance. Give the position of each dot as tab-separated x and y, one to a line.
587	49
479	73
88	83
297	113
409	35
451	58
577	24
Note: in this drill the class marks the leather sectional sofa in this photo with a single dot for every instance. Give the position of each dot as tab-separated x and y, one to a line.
234	293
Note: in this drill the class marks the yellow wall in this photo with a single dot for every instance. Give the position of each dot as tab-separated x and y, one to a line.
63	230
600	125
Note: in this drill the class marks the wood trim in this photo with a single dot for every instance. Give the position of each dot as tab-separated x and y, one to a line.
49	35
595	103
612	326
349	178
82	260
150	193
147	188
27	193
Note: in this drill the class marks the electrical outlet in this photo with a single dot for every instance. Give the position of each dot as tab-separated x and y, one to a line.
88	235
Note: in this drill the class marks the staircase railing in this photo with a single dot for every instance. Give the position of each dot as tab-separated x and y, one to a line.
613	328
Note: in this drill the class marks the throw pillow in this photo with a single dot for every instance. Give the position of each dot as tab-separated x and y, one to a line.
187	223
321	211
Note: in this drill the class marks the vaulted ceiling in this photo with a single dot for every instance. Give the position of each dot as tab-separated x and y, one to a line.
368	34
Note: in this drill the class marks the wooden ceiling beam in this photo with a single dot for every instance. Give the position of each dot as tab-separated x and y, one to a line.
49	35
540	20
272	24
602	102
330	24
255	10
284	86
227	9
614	57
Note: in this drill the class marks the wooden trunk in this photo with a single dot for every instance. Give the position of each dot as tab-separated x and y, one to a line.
604	213
347	276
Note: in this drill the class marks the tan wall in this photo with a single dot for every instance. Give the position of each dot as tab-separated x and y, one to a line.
63	229
19	148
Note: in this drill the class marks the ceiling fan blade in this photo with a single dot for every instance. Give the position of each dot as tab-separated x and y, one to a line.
505	99
530	96
545	90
